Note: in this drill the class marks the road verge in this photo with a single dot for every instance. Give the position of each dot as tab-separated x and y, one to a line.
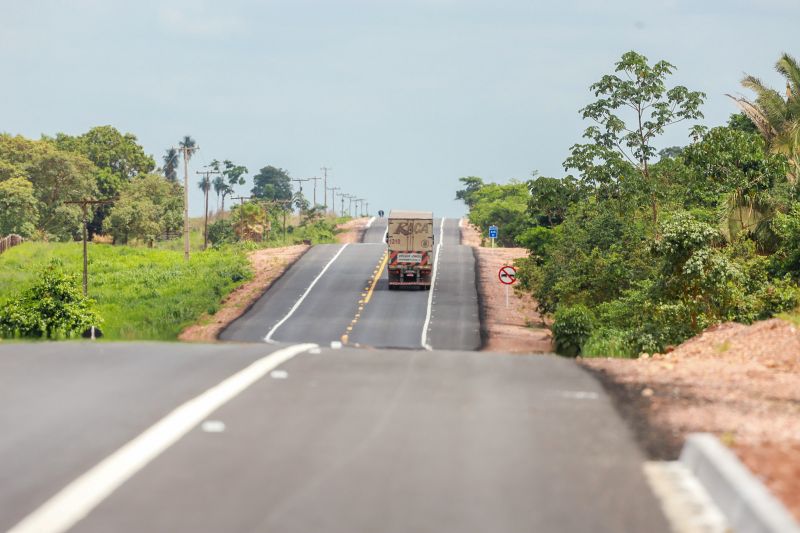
268	266
518	328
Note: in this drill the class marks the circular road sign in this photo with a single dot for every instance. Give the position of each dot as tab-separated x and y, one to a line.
507	275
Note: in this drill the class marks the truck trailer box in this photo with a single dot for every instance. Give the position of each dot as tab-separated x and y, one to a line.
410	241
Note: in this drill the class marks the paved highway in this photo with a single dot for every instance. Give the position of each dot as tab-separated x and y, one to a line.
343	440
332	295
398	426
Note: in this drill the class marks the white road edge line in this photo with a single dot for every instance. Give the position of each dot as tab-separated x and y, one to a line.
369	222
424	339
268	337
75	501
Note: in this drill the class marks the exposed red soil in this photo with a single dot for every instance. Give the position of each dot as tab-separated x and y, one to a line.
268	265
739	382
518	328
352	230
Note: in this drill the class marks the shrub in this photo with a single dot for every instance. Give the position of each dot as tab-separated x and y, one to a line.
572	327
53	307
607	342
221	232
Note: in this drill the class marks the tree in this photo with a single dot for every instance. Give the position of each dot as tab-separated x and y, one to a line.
503	205
205	186
18	207
632	109
777	118
551	197
272	183
56	176
472	185
107	148
148	207
220	187
118	156
189	144
171	165
734	167
232	175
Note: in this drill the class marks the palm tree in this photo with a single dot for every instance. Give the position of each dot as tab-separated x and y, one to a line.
220	187
777	117
205	186
171	165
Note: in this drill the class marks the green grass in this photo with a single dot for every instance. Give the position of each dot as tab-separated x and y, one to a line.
141	293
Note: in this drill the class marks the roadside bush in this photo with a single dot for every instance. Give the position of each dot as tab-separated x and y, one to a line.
607	342
535	239
54	307
571	328
221	232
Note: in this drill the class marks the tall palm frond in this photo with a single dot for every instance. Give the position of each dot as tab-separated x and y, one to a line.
171	165
777	117
189	143
788	67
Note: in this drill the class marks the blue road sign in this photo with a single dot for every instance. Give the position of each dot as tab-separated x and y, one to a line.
492	232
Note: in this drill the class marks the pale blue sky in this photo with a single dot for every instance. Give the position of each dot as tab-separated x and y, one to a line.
401	98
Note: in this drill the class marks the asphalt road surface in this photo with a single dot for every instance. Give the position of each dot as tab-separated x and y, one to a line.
385	420
330	295
345	440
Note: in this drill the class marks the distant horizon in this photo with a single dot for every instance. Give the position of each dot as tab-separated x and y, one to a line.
400	98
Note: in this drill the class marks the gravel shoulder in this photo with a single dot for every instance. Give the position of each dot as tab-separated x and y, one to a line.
741	383
518	328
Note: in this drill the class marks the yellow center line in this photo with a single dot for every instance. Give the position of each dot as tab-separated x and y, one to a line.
376	275
376	278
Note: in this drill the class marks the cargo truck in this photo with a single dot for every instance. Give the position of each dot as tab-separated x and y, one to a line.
410	241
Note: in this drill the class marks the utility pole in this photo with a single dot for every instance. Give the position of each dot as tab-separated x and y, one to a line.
350	205
300	181
342	196
206	188
85	203
315	189
325	182
186	150
333	198
367	208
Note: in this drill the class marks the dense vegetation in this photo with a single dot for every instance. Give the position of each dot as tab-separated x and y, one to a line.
140	285
640	249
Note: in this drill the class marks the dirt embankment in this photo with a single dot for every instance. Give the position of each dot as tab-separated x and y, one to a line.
739	382
352	230
518	327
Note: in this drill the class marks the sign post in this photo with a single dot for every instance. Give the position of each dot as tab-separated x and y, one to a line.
507	276
493	233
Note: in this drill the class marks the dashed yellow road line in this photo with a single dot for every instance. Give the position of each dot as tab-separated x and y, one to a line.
366	296
376	277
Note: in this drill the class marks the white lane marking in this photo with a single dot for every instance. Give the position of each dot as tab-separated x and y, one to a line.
268	337
369	223
213	426
579	395
424	338
336	345
315	351
279	374
76	500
